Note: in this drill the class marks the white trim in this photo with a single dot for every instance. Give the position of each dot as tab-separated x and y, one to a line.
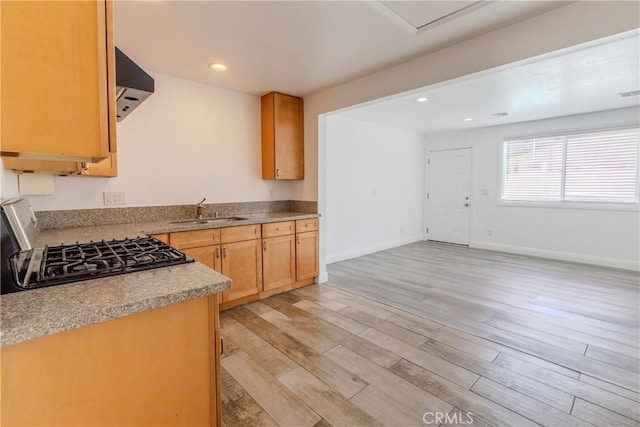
557	255
590	206
323	278
371	249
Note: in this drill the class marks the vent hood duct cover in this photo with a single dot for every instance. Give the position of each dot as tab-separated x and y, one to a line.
133	85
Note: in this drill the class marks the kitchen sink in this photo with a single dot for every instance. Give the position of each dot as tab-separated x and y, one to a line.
209	220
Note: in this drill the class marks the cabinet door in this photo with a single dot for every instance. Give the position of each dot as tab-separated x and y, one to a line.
106	168
278	261
289	144
307	250
242	263
282	137
58	79
204	254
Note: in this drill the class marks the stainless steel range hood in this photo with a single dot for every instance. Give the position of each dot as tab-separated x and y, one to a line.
133	85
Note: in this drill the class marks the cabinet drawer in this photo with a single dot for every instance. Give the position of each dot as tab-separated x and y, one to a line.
278	229
194	239
303	225
239	234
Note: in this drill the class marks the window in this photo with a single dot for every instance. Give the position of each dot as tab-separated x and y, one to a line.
582	167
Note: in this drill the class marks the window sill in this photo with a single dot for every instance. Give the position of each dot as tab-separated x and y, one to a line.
633	207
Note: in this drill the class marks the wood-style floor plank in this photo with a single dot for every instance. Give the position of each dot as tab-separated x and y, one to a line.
281	404
479	406
524	405
327	402
411	396
439	329
599	416
510	378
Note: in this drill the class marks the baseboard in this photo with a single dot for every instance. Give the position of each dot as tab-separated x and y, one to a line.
557	255
324	277
371	249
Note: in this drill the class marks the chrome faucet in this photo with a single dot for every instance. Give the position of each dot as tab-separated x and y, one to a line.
199	209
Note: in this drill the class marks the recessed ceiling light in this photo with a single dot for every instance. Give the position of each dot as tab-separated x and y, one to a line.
504	113
630	93
467	119
422	99
218	67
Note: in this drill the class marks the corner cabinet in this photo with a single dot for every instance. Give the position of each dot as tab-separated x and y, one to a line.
58	81
282	137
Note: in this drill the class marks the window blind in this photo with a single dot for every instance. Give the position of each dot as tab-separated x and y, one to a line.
586	167
533	169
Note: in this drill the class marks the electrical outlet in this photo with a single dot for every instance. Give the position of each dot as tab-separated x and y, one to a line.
114	198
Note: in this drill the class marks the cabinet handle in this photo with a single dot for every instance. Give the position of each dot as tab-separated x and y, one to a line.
224	252
298	239
307	225
277	173
221	345
264	245
218	252
279	228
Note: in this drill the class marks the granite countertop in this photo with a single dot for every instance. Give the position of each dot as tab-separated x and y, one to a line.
46	311
121	231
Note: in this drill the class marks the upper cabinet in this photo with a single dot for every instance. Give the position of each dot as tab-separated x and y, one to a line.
282	137
58	80
105	168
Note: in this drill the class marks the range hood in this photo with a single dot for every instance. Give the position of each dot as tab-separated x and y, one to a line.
133	85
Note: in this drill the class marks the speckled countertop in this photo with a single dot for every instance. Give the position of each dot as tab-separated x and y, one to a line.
46	311
121	231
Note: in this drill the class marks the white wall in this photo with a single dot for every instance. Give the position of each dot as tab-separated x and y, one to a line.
375	182
186	142
539	35
605	237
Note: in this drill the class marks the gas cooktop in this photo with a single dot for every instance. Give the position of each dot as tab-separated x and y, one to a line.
55	265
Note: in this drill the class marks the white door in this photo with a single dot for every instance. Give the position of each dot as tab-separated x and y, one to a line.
449	193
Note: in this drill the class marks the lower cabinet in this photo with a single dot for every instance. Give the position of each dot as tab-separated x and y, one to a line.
261	260
278	262
242	263
307	260
157	367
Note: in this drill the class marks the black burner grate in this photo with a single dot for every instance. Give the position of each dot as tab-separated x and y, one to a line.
71	263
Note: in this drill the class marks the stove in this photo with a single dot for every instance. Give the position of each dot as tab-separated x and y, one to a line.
56	265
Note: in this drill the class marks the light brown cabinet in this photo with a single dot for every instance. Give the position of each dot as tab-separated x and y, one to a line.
282	137
307	251
285	258
278	255
105	168
158	367
58	81
232	251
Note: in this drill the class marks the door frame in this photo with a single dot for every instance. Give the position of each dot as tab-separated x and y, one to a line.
471	189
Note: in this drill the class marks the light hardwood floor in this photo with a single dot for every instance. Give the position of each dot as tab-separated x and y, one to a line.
432	328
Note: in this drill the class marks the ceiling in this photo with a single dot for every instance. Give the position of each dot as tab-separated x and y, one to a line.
583	79
299	47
